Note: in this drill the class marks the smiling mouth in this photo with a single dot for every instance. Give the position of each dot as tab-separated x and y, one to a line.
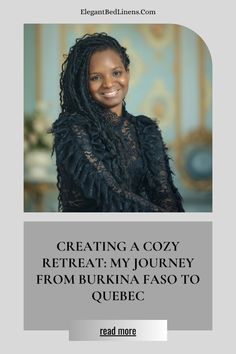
110	93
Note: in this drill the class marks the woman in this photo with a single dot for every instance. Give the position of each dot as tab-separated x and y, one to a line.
107	159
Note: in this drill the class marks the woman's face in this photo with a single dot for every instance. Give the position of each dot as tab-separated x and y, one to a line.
108	80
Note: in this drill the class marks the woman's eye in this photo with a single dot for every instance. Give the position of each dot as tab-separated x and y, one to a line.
95	78
117	73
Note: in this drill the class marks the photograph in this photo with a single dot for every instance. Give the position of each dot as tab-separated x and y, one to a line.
117	118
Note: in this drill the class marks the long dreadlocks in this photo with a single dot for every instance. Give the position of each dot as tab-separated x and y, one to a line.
75	97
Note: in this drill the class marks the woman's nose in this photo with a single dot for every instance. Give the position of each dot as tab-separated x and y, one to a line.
108	81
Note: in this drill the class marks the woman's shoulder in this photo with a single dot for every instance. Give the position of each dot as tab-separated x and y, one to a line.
66	120
150	137
145	120
69	123
146	123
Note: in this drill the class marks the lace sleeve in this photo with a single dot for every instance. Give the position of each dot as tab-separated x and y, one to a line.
159	183
95	181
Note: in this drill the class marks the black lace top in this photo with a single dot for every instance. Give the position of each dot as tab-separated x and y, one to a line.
90	177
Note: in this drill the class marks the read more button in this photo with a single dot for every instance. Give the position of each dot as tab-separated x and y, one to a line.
119	332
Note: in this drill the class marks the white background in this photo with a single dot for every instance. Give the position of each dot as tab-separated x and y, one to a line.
214	21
